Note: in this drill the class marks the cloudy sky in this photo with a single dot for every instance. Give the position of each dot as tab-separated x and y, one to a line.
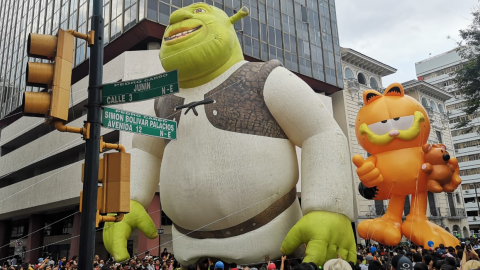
400	33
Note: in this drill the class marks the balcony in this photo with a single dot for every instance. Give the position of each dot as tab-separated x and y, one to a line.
457	213
435	213
353	83
474	220
471	206
377	211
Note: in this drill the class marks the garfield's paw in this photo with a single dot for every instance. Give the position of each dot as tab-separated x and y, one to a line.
367	172
434	186
420	231
383	230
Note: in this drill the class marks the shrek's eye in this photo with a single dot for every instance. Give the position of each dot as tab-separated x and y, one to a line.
199	10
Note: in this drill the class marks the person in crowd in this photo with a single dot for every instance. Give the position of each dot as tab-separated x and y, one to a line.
420	266
336	264
359	265
400	262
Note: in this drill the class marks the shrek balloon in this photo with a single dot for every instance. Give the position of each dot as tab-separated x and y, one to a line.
229	181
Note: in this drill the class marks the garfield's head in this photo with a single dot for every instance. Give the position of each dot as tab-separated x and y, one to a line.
391	121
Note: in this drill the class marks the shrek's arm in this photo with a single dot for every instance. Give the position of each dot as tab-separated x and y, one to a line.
325	162
146	158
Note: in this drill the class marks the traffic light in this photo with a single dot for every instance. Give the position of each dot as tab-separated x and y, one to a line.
114	174
54	76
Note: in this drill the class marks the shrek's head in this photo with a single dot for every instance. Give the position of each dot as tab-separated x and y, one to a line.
201	43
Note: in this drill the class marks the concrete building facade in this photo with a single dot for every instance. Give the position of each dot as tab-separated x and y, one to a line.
437	70
362	73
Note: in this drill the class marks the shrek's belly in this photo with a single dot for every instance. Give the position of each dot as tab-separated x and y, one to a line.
221	178
401	171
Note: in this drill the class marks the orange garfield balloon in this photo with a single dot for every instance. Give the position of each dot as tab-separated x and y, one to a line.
393	128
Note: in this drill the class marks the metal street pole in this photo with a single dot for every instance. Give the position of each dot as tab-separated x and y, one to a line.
92	148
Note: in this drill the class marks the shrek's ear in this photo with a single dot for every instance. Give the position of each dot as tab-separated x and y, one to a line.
239	15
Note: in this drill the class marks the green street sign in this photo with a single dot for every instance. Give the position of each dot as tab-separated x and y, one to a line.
139	123
140	89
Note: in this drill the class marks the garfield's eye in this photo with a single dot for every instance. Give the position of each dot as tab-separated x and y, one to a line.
199	10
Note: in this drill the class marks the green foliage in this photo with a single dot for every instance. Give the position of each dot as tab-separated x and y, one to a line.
468	77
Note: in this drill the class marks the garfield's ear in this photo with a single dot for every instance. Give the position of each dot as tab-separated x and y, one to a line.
394	89
370	96
426	148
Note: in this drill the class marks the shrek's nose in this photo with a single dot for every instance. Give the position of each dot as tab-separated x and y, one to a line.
179	15
446	157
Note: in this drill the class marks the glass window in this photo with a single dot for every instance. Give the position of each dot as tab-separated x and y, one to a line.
439	136
164	13
440	108
424	103
152	10
433	105
361	79
373	83
349	73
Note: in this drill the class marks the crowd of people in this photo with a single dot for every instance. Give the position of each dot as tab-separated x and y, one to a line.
371	257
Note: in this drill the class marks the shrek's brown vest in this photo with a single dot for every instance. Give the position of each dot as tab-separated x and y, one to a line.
239	103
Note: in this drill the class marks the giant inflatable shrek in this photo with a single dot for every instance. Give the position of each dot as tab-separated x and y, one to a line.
228	182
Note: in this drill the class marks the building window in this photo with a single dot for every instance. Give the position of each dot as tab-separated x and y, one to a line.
439	136
17	231
457	196
361	79
166	220
432	204
425	103
440	108
349	73
379	208
67	226
373	83
432	104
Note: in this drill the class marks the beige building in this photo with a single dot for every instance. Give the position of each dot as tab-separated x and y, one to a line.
361	73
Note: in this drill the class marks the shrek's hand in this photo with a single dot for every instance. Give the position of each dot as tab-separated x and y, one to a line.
326	234
115	235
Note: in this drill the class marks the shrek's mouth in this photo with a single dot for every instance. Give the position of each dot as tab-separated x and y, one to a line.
404	128
175	34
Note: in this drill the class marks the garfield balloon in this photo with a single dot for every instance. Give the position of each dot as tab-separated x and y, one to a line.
393	128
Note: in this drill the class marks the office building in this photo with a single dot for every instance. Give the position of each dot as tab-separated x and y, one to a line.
437	70
301	34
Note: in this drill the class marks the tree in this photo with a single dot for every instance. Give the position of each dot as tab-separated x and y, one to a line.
467	78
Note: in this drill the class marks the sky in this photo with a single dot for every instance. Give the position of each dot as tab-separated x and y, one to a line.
401	33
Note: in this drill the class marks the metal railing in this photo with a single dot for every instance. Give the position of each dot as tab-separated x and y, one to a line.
353	83
456	213
377	211
435	213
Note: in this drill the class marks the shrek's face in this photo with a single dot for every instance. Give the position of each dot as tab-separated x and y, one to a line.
199	40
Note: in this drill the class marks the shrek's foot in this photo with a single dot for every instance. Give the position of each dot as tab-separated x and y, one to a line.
420	231
383	230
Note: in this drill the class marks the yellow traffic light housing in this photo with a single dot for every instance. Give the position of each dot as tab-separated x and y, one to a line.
114	174
55	76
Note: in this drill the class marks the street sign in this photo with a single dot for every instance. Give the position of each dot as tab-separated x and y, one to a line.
160	231
140	89
139	123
